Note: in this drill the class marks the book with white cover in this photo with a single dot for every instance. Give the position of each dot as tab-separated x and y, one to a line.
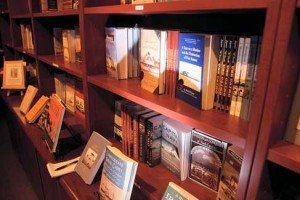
92	157
27	99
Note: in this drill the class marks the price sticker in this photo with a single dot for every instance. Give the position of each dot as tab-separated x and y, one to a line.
139	7
55	65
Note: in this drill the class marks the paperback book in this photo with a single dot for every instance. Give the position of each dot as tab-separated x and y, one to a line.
27	99
32	115
207	155
118	175
175	192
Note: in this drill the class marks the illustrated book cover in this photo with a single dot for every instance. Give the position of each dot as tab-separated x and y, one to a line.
175	147
118	175
30	93
51	121
207	155
197	68
92	157
175	192
230	174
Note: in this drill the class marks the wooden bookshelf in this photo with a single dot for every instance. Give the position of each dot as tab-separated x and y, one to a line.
260	137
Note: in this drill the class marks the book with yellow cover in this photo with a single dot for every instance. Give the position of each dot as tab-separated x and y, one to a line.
27	99
36	110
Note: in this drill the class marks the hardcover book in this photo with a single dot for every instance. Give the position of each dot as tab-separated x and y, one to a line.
116	52
118	121
118	175
27	99
153	60
79	99
60	85
51	121
292	132
92	157
197	68
154	137
57	40
230	174
175	192
70	94
207	155
175	147
37	109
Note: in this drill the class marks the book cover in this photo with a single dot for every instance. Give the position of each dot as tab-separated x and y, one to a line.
292	132
60	85
175	192
78	57
230	174
207	155
79	99
153	44
143	135
118	175
154	137
175	147
197	52
57	41
116	52
92	157
27	99
70	94
37	109
51	121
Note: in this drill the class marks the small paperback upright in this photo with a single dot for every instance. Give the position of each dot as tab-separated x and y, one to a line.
51	121
92	157
118	175
206	159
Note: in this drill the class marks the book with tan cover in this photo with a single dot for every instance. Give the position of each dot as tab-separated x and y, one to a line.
27	99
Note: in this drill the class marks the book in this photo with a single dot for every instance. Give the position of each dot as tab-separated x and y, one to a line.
78	57
116	52
57	41
60	85
197	68
62	168
230	174
68	41
31	92
118	175
292	132
79	99
143	136
51	121
175	192
118	118
32	115
154	137
175	147
70	94
92	157
207	155
142	1
153	48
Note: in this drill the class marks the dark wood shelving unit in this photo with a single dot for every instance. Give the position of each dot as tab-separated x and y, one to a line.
261	137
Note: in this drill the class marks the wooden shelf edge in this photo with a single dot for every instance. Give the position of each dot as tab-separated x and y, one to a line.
29	52
177	7
58	62
285	154
57	13
221	125
20	16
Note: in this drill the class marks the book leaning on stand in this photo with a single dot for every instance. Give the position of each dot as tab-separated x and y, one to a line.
118	175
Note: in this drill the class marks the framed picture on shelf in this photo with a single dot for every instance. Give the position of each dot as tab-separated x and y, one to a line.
13	75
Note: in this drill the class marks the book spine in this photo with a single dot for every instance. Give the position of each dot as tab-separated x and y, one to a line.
231	74
244	68
218	76
237	75
142	139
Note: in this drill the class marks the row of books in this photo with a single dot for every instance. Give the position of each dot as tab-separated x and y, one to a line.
57	5
70	91
66	42
205	70
153	138
26	35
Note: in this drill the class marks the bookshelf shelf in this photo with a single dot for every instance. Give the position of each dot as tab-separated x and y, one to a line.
260	137
231	129
178	7
58	62
285	154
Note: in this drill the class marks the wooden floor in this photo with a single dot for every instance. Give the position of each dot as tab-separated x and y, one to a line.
14	184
